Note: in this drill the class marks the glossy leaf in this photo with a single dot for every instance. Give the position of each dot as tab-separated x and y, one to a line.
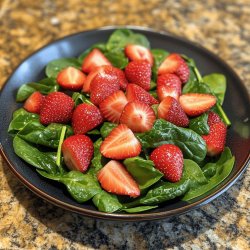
199	124
106	128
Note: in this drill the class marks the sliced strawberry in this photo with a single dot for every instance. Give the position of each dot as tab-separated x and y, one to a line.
34	102
71	78
138	52
139	72
77	152
170	110
195	104
212	118
111	108
85	118
121	143
137	93
216	138
93	59
168	85
114	178
57	107
168	159
138	116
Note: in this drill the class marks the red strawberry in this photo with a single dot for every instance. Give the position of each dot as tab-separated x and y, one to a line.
138	52
137	93
168	85
216	138
195	104
138	116
111	108
120	144
114	178
139	72
213	118
77	152
57	107
174	63
34	102
85	118
168	159
93	59
71	78
122	78
170	110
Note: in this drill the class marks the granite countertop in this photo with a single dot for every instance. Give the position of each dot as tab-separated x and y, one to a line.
28	222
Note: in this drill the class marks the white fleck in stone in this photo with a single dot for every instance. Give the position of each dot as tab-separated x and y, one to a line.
54	21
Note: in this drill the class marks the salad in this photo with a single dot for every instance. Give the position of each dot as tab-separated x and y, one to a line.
125	126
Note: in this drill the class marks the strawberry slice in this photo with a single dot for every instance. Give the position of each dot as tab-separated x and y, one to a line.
138	52
195	104
77	152
139	72
138	116
34	102
93	59
114	178
170	110
71	78
137	93
168	85
120	144
111	108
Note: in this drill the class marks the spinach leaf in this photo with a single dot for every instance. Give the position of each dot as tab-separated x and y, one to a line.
199	124
106	202
55	66
59	149
106	128
117	58
143	171
94	132
138	209
163	132
79	98
33	156
96	162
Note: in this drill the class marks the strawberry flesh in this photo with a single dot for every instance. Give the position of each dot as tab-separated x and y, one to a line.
34	102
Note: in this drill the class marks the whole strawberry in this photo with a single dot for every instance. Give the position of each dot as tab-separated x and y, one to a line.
57	107
168	159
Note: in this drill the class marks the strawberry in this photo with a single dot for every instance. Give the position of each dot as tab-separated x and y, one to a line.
195	104
71	78
114	178
93	59
138	116
77	152
170	110
213	118
168	159
57	107
139	72
136	93
120	144
138	52
34	102
111	108
85	118
122	78
216	138
168	85
175	64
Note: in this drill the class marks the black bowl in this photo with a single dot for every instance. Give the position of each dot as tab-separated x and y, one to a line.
32	68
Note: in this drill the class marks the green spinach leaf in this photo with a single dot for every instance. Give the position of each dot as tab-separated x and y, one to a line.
96	162
106	128
117	58
159	56
199	124
79	98
138	209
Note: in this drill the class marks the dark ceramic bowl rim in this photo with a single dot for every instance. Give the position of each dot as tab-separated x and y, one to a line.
141	216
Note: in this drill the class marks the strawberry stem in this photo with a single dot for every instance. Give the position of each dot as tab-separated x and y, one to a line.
59	150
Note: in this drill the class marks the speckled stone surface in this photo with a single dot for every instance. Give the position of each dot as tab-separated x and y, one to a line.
28	222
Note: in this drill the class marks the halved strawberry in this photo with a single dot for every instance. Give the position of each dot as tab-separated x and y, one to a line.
34	102
136	93
195	104
138	52
114	178
77	152
138	116
139	72
111	108
168	85
121	143
71	78
170	110
93	59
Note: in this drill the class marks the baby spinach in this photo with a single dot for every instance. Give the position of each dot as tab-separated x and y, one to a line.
106	128
96	162
138	209
117	58
79	98
59	149
143	171
163	132
159	56
199	124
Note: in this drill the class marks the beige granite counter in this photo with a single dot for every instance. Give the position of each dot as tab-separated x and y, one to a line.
28	222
